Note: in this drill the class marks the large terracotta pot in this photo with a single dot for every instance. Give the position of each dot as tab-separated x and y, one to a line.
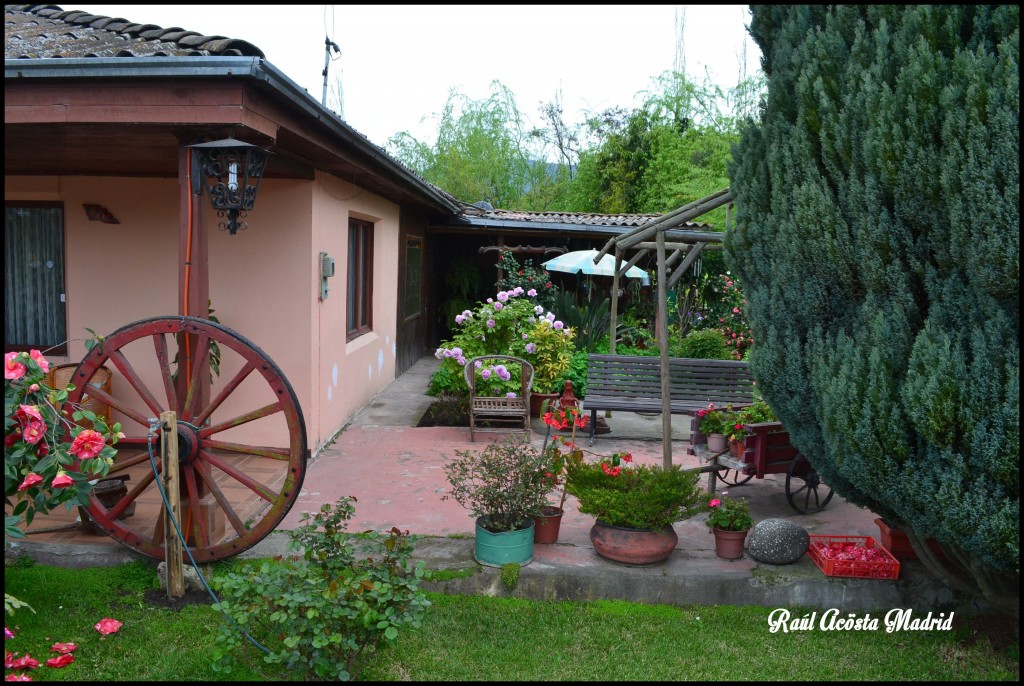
729	544
547	525
897	543
537	403
633	546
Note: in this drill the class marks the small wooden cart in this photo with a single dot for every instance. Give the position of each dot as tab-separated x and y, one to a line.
766	450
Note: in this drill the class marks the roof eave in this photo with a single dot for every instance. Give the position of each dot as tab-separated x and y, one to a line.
254	68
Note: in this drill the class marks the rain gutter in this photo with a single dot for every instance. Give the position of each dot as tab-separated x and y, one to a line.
254	68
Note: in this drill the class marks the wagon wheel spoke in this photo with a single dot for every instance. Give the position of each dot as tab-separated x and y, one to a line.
218	494
196	527
133	379
804	488
237	484
163	359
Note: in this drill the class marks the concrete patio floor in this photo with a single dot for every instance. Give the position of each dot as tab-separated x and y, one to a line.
395	471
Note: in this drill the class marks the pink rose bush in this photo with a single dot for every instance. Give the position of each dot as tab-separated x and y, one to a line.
49	459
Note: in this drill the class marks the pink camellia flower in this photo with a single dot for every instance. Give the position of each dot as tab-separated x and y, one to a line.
43	449
27	413
30	480
498	306
33	432
62	480
8	634
33	388
13	369
715	502
62	660
736	310
63	648
490	323
26	661
87	444
502	296
17	677
108	626
532	292
40	360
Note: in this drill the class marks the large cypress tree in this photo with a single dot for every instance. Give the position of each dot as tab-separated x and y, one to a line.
878	240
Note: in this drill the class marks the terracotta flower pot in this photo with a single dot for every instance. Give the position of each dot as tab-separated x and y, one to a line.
537	403
736	447
729	544
633	546
896	542
547	525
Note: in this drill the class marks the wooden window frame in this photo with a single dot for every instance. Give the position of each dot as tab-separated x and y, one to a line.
360	262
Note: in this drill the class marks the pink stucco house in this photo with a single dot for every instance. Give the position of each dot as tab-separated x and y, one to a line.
331	288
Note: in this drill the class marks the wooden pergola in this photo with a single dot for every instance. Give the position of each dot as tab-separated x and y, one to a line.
662	234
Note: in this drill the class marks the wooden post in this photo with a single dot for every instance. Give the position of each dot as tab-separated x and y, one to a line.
666	387
172	487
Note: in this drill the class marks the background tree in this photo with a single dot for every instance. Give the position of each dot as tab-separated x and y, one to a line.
484	150
878	241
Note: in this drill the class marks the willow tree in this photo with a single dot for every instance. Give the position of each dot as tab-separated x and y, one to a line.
877	236
484	151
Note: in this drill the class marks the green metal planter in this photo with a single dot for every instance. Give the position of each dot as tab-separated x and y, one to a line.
495	550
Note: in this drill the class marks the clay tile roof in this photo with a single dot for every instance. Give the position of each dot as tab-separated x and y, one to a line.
41	31
579	218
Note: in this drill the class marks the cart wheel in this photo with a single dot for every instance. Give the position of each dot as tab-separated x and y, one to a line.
733	477
242	452
804	488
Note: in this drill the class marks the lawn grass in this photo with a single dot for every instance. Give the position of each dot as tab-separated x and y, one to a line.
483	638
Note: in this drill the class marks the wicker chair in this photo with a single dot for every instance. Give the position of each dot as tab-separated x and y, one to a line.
498	413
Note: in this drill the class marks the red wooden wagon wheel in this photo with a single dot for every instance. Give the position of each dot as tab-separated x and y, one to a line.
242	453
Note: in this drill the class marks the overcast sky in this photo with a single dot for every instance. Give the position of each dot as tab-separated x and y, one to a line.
398	63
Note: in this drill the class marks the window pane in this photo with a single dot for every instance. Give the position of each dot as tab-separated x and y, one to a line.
413	276
34	277
353	279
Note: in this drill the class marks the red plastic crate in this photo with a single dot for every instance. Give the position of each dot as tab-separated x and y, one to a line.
888	569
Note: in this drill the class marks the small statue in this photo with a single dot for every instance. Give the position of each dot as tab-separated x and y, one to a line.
568	401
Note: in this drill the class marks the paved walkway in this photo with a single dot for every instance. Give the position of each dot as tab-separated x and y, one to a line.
395	471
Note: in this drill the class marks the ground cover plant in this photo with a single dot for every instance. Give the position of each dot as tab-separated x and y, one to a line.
471	637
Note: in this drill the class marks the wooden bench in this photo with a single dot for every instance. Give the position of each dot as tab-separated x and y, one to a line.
497	413
633	384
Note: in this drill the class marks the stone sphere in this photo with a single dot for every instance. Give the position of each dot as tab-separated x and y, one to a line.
777	542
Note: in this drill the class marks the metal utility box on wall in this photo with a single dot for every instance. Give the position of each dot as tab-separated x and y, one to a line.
326	271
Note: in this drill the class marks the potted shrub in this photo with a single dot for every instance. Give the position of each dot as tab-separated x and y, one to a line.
503	486
729	520
735	432
712	425
635	505
548	521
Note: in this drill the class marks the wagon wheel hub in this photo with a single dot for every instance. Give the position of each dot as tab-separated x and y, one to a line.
188	444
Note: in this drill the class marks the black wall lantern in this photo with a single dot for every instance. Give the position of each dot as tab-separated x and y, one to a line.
231	170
